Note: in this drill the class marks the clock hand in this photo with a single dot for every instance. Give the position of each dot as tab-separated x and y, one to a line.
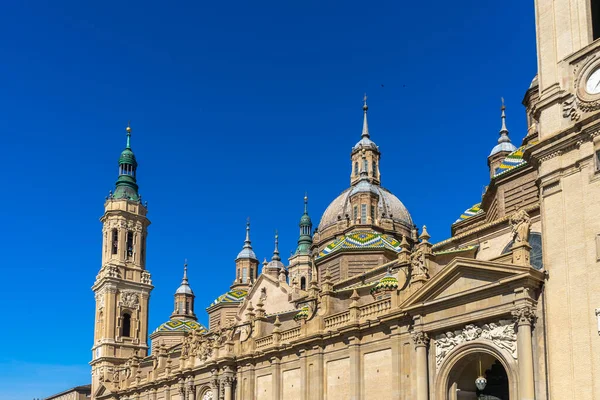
598	83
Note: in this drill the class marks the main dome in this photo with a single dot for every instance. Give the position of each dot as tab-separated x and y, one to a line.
389	206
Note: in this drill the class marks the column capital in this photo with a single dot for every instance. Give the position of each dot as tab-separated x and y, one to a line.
524	315
419	338
228	381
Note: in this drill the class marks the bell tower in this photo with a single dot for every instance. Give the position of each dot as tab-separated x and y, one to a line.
567	158
122	287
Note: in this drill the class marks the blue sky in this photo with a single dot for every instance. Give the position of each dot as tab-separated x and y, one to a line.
237	109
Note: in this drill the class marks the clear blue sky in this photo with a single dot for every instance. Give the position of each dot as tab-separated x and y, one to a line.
237	109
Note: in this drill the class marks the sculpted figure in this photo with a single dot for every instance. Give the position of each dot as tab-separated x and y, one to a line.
419	268
521	223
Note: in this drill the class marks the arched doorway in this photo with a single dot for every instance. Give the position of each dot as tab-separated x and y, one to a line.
462	377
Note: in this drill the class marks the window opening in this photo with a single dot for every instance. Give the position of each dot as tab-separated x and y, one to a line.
129	244
126	330
303	283
596	19
115	241
363	213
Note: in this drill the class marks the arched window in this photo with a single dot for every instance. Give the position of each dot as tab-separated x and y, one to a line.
303	283
374	169
356	168
366	165
244	275
115	241
535	255
129	244
126	327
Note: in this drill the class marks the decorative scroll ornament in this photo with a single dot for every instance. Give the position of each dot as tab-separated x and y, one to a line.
130	299
570	110
502	334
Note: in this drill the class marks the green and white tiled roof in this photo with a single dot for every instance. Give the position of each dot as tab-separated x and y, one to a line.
513	160
474	210
180	325
233	296
361	240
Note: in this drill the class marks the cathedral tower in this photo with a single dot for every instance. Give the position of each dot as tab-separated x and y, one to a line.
246	264
122	287
567	157
301	265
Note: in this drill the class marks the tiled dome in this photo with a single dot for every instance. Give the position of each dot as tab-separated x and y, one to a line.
388	206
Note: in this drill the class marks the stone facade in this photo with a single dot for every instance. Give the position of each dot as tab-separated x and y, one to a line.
368	307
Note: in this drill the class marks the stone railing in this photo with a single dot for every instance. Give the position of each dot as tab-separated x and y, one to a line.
290	333
375	309
264	341
337	320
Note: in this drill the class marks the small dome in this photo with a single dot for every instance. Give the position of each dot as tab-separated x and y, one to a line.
180	325
184	289
386	284
275	264
247	253
302	314
504	146
365	143
127	157
389	206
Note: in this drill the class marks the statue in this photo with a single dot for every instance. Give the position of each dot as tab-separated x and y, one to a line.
521	223
419	268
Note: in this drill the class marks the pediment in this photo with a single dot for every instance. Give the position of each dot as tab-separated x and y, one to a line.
274	295
465	276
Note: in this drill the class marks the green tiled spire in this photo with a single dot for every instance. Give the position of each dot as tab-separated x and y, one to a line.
126	187
305	239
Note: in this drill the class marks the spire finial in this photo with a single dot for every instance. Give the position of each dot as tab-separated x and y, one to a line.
247	241
185	265
276	251
365	130
503	131
128	130
305	203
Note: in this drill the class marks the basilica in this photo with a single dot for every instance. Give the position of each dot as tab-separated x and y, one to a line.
367	307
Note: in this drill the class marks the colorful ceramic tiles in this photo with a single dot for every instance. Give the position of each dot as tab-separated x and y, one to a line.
474	210
185	325
513	160
362	240
233	296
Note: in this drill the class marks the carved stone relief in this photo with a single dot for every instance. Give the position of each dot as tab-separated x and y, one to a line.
130	299
501	333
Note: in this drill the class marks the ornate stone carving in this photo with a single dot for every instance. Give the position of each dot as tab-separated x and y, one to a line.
524	315
130	299
569	109
208	395
502	334
521	223
419	338
146	278
419	269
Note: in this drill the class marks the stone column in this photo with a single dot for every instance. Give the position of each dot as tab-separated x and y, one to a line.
167	392
191	389
303	375
524	317
228	383
421	341
354	350
396	346
316	379
214	385
182	394
276	371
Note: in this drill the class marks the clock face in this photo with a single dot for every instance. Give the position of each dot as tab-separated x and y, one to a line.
592	85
